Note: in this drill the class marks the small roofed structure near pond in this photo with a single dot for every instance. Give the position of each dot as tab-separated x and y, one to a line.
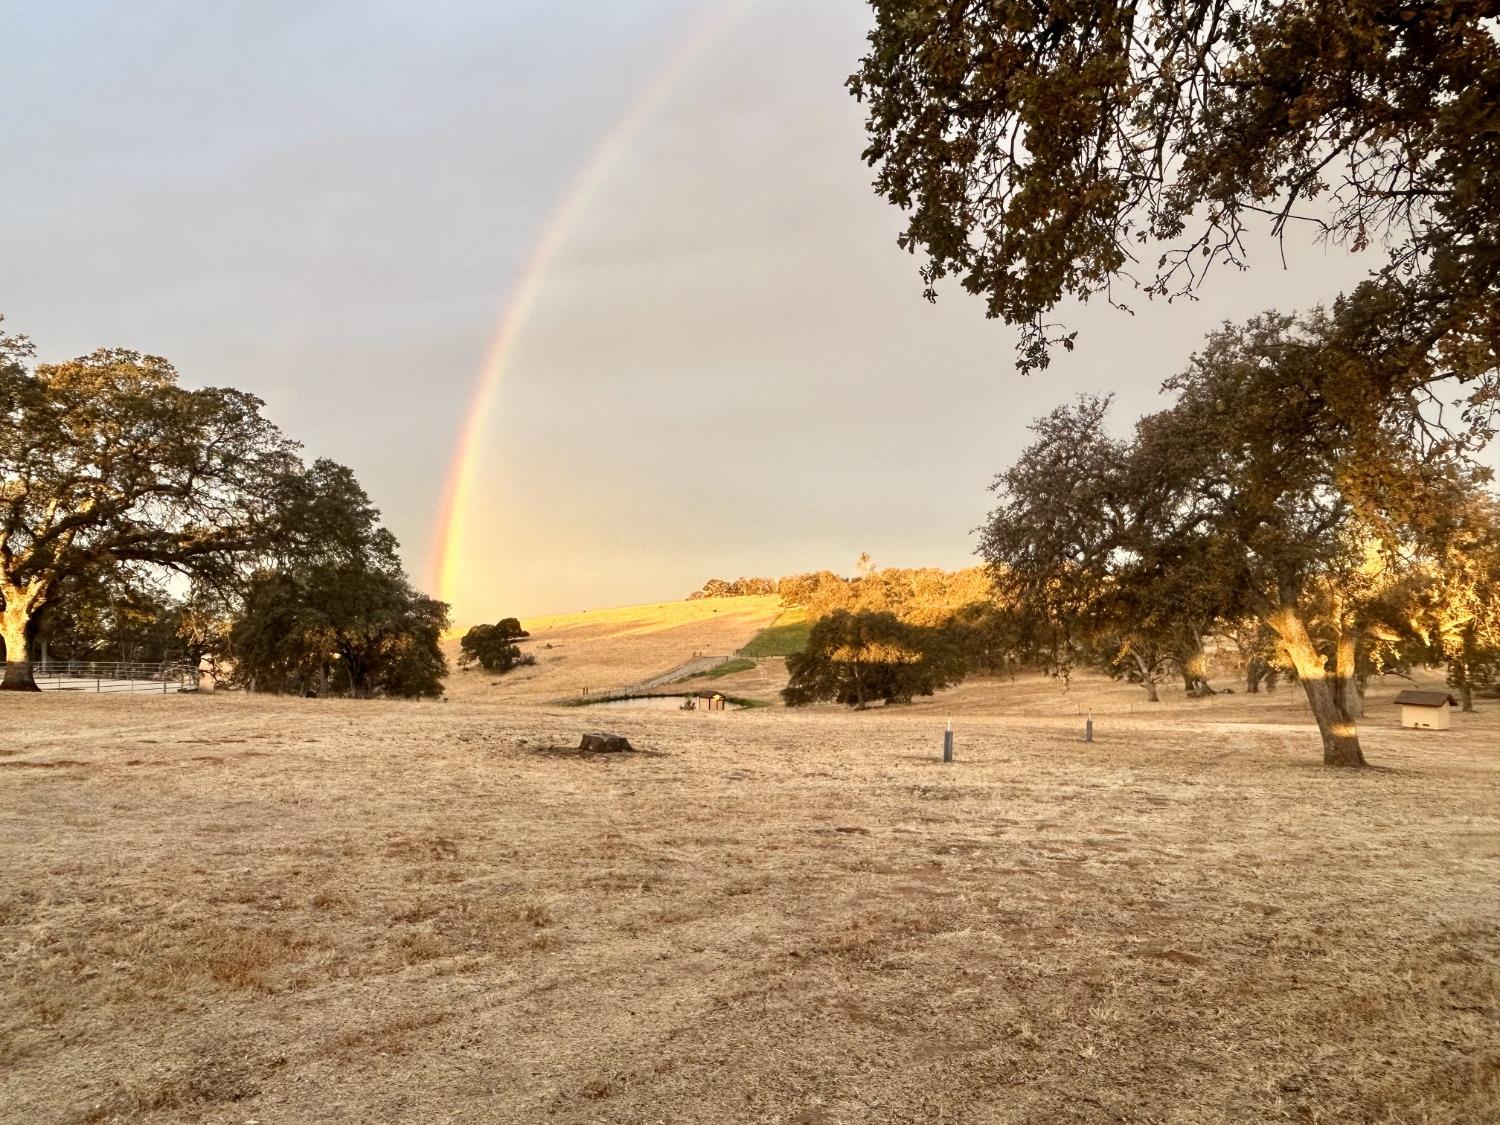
710	701
1428	709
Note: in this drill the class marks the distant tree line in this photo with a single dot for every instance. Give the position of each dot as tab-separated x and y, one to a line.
1211	540
142	520
923	591
739	588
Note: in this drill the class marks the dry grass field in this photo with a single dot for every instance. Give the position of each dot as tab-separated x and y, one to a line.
238	909
609	649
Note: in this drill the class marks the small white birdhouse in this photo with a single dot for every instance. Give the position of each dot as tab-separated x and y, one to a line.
1429	710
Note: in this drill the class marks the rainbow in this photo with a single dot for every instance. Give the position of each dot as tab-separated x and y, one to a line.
458	491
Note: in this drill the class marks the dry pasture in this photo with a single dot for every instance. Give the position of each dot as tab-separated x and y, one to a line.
238	909
605	650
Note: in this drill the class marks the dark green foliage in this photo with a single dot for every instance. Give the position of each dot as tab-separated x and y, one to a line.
492	647
858	658
339	629
115	616
510	627
728	668
780	638
997	639
337	616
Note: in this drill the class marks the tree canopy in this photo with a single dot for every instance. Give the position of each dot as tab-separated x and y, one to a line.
858	658
1248	497
113	478
333	612
1046	149
105	461
339	629
493	647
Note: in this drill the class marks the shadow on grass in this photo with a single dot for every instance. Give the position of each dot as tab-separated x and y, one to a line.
573	753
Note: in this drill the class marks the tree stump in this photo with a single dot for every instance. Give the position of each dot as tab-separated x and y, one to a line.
600	743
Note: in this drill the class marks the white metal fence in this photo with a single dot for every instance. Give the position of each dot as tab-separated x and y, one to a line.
160	677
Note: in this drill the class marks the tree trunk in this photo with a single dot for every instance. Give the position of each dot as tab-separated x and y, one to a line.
16	629
1192	661
1340	736
1148	677
1458	671
1255	671
1351	699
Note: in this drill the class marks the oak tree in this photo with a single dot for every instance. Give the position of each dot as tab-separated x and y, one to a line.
493	647
331	611
1250	496
860	657
106	461
1046	149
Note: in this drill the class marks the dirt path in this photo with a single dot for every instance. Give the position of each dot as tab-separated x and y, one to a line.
682	671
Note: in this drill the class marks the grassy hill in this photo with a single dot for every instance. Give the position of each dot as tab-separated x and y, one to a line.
609	649
784	636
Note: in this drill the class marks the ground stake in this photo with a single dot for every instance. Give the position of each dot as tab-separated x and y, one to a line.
948	742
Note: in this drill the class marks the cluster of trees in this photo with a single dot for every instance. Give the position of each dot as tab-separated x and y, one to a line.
1313	492
493	647
129	621
923	593
144	519
887	635
891	635
1247	508
739	588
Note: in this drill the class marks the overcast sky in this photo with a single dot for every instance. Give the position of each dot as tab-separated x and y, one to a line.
729	369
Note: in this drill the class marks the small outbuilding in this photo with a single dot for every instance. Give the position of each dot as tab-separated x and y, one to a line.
1430	710
710	701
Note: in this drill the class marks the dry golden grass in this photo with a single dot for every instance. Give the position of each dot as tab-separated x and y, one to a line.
230	909
609	649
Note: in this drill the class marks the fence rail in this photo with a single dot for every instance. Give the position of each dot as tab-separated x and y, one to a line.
163	678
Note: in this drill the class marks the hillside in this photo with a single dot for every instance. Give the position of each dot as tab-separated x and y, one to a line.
609	649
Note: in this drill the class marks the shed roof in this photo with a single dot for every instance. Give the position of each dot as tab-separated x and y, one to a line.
1424	699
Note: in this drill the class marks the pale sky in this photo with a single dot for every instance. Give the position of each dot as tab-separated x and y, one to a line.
728	370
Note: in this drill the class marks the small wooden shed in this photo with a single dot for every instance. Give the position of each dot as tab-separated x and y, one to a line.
1430	710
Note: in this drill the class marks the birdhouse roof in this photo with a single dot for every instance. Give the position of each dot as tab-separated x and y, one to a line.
1424	699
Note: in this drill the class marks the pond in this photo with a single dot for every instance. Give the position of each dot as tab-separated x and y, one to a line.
653	703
